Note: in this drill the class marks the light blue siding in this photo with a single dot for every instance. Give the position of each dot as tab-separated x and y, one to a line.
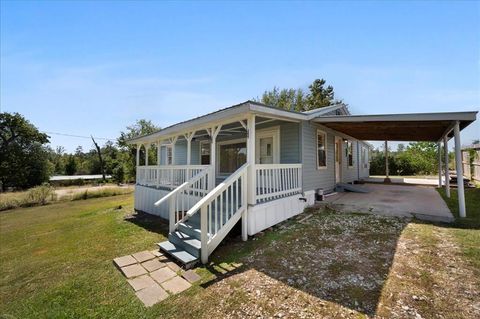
313	177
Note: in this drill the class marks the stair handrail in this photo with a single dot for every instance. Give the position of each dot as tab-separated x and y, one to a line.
217	190
183	186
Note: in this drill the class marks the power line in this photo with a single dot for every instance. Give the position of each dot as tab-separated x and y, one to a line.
79	136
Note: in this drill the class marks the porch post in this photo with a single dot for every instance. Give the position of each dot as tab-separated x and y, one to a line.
447	172
158	162
213	154
138	154
189	137
387	177
439	146
459	168
251	180
147	147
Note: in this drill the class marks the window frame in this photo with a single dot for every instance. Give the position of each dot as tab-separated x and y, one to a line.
205	142
168	146
319	131
350	148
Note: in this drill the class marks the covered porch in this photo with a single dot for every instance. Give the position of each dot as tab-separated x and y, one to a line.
430	127
270	144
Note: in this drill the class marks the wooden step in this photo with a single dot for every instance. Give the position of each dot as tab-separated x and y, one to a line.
188	243
178	253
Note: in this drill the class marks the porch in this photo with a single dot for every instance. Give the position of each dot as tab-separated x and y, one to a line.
206	178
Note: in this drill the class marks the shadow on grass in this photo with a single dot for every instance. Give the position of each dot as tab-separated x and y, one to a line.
149	222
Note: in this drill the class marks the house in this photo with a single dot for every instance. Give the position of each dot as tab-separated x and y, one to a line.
259	165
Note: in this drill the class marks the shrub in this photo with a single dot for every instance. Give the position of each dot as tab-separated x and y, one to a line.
106	192
40	195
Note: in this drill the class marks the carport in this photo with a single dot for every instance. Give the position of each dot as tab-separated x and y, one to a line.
429	127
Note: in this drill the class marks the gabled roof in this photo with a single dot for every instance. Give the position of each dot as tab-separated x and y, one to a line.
225	113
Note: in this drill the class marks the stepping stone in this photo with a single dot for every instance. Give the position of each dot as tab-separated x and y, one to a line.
191	276
176	285
156	253
124	261
133	271
141	282
162	274
153	265
173	266
151	295
143	256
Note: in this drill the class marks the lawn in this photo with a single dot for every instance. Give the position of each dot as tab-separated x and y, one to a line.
57	263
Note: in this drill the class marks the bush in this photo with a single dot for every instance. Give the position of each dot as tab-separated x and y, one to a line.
106	192
40	195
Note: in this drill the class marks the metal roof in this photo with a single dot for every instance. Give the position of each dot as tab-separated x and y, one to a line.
398	127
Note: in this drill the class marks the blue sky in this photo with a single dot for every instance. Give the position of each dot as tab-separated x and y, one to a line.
86	68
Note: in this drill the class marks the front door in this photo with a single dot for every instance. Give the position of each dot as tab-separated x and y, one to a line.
338	159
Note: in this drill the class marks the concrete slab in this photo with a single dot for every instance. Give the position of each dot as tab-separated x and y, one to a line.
162	274
143	256
156	253
124	261
421	202
191	276
141	282
152	295
154	264
133	271
176	285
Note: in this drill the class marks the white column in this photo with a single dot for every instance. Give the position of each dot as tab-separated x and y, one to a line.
447	172
387	173
147	147
138	154
213	154
189	137
158	153
251	176
439	146
459	168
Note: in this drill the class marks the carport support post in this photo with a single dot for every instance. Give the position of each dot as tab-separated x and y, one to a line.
447	172
387	178
251	174
459	168
439	146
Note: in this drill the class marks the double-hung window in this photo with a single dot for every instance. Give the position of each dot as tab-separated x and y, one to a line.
321	149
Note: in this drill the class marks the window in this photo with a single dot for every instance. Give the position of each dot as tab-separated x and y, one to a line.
364	157
205	153
350	153
321	149
169	151
232	156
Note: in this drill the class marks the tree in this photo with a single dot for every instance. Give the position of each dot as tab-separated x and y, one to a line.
141	127
23	158
71	166
296	100
99	152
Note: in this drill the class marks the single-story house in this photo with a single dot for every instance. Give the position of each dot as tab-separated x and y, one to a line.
259	165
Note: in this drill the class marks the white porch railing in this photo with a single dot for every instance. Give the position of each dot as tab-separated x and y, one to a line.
182	198
220	210
169	176
277	180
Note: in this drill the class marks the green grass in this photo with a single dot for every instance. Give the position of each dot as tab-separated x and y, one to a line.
57	259
466	230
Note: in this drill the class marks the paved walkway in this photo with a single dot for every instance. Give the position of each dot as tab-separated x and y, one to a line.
153	276
421	202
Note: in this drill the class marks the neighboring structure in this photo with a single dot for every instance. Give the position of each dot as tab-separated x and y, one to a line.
261	165
471	162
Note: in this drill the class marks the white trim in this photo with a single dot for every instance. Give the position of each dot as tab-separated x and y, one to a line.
348	162
274	133
417	117
217	149
325	137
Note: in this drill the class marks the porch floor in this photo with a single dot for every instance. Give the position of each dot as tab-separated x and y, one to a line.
421	202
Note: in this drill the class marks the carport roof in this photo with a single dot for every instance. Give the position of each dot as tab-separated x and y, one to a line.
398	127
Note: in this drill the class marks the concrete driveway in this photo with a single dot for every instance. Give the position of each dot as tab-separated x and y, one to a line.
422	202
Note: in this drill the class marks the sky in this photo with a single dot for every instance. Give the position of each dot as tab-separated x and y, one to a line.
92	68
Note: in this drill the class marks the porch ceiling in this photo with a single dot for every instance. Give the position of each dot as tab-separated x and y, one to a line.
398	127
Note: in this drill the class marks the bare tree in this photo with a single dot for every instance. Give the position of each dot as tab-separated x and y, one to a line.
99	152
